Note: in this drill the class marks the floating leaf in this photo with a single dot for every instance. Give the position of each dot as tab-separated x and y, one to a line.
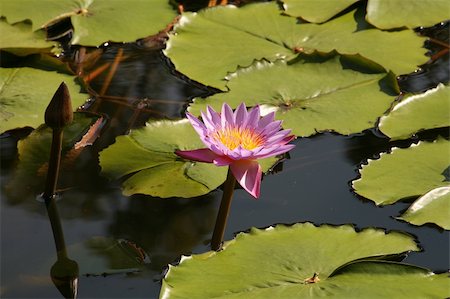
277	263
148	162
404	172
317	11
308	97
380	279
418	112
433	207
223	38
40	13
95	21
21	40
387	14
26	92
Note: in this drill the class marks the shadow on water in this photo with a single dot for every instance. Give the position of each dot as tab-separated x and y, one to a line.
135	237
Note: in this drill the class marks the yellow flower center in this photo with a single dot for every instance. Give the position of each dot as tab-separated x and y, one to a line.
232	137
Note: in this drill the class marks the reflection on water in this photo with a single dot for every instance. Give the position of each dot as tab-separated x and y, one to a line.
438	68
313	186
104	229
64	272
133	83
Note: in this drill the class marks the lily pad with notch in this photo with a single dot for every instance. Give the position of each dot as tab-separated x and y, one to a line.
224	38
419	170
310	97
304	261
95	21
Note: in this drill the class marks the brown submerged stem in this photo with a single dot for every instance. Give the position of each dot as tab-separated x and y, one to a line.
53	165
222	215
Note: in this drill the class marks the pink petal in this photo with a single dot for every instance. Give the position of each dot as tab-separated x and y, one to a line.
200	155
213	115
276	150
271	128
288	139
240	114
227	116
216	147
277	137
243	153
209	124
248	173
199	127
266	120
222	161
252	118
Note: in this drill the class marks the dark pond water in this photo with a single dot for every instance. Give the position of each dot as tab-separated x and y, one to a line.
312	185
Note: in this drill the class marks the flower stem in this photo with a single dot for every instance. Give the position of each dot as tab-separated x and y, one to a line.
222	216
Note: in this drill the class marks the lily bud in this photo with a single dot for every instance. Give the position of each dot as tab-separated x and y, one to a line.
59	112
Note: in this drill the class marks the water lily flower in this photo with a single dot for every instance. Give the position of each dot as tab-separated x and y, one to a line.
238	139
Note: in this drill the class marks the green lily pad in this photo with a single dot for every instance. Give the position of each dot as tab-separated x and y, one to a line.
380	279
150	166
418	112
405	173
277	262
95	21
387	14
308	97
26	92
433	207
317	11
40	13
223	38
19	39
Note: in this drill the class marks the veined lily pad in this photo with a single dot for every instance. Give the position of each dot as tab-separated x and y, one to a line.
95	21
405	173
148	160
26	92
21	40
317	11
433	207
418	112
279	262
221	39
387	14
308	97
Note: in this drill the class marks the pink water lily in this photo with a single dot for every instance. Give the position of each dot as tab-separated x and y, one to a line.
237	139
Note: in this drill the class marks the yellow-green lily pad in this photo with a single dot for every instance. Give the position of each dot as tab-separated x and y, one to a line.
304	261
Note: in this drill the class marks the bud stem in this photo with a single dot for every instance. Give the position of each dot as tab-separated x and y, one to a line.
53	165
